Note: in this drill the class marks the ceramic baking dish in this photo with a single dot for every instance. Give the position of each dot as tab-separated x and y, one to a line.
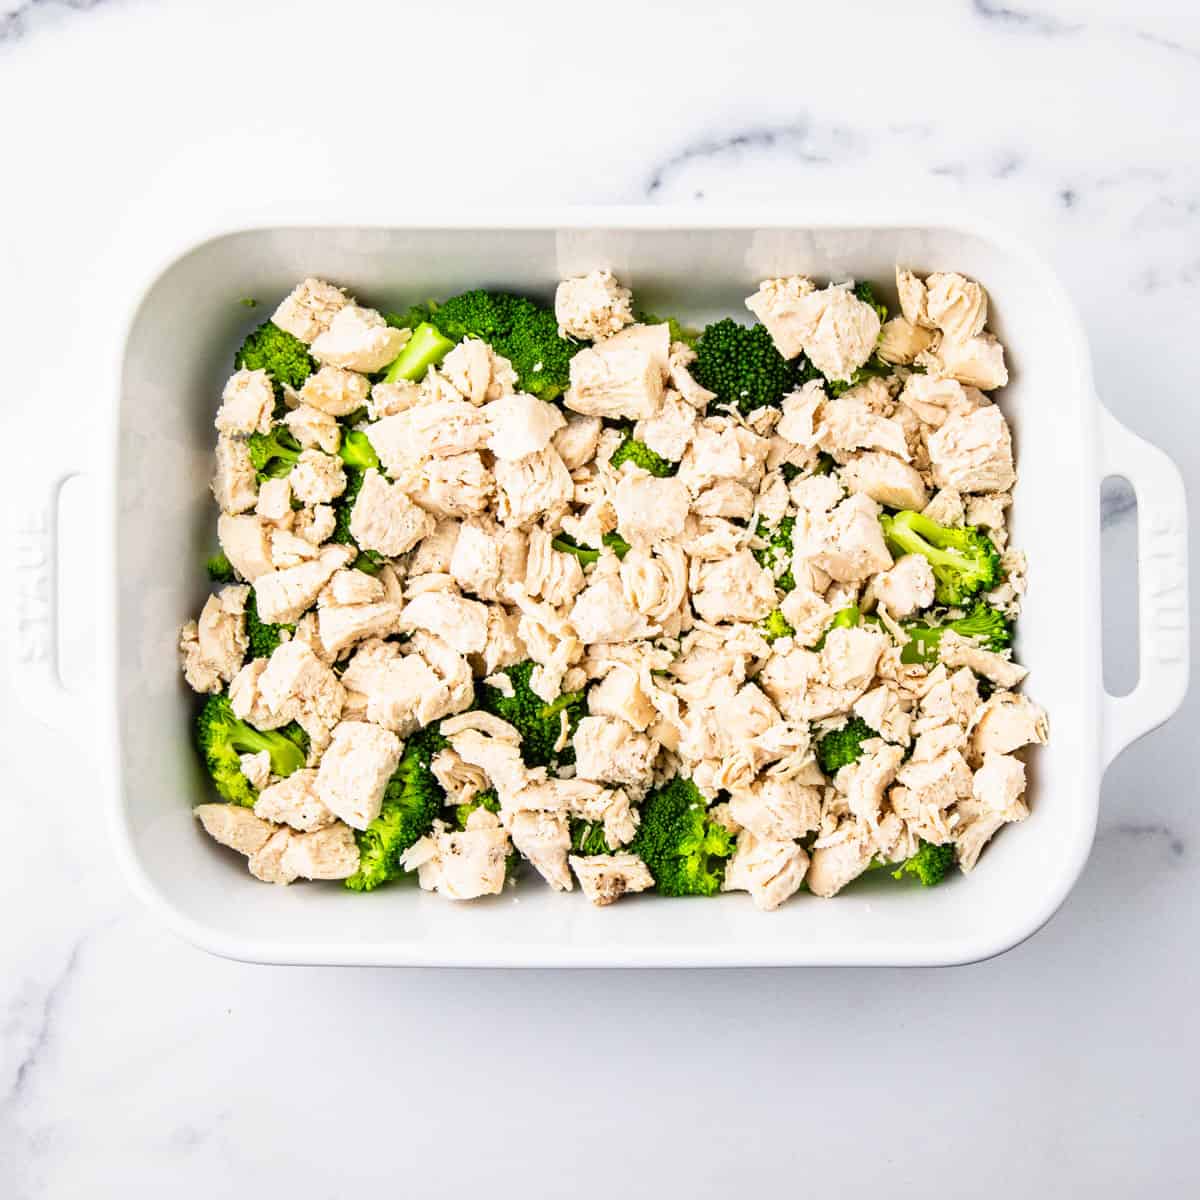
159	521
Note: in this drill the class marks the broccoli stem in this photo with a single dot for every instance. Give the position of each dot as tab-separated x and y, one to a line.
426	348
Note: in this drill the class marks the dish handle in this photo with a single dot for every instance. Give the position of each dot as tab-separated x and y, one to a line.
1163	661
33	641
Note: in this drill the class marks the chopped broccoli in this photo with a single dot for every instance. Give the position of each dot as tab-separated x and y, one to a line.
587	837
523	332
284	358
844	618
631	450
679	332
985	623
930	864
418	314
264	639
683	848
273	454
585	554
840	747
411	801
964	559
426	348
356	451
538	723
777	553
221	737
488	800
368	560
219	568
775	626
741	365
866	293
873	368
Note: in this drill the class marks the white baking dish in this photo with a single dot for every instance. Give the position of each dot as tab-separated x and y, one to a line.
160	520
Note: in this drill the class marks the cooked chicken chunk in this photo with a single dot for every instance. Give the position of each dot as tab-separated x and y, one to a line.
459	622
284	596
294	801
545	839
973	452
521	425
435	429
847	543
886	479
592	306
777	809
977	362
235	484
957	651
956	305
462	866
605	878
532	487
234	826
770	871
358	339
385	519
335	391
1005	723
609	750
246	403
478	372
733	589
649	509
832	326
309	309
835	863
907	587
317	478
577	440
615	379
354	771
245	542
214	647
900	341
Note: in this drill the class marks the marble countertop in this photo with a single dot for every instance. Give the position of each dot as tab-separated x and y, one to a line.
133	1064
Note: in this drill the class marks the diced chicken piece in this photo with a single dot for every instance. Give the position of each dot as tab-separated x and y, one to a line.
907	587
201	675
997	792
778	305
335	391
294	801
387	399
353	587
770	871
275	502
354	771
245	543
545	839
602	613
833	866
847	543
458	486
1005	723
725	498
284	596
308	310
257	769
289	550
235	484
330	852
554	576
956	305
592	306
267	863
434	552
399	688
973	452
655	340
532	487
977	362
928	787
650	509
799	421
957	651
669	431
462	866
358	339
900	341
475	559
436	429
865	781
914	303
605	878
385	519
615	379
656	584
608	750
234	826
222	630
777	809
459	622
317	478
577	440
247	403
886	479
521	425
849	656
298	685
1000	782
733	589
620	694
832	326
315	524
948	698
722	449
848	423
946	508
807	613
478	372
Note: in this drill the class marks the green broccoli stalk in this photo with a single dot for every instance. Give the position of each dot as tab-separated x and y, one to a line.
683	848
411	801
538	723
987	625
488	800
585	554
741	365
587	838
638	453
368	560
844	618
356	451
284	358
775	626
964	559
219	568
523	332
930	864
264	639
776	555
426	348
221	737
840	747
273	454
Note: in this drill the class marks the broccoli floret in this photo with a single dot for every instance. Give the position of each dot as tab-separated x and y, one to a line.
866	293
683	848
411	801
587	838
488	800
585	554
538	723
284	358
221	737
988	625
356	451
273	454
264	639
840	747
930	864
418	314
741	365
368	560
964	559
679	332
631	450
775	626
776	555
426	348
219	568
523	332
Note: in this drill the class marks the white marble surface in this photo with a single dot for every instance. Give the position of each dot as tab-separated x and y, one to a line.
131	1064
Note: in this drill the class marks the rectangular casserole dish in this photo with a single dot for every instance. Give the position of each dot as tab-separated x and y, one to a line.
161	524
